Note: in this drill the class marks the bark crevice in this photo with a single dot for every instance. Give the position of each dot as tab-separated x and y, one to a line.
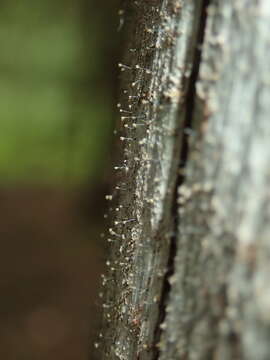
187	132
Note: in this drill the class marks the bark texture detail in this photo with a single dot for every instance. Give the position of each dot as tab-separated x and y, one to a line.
189	240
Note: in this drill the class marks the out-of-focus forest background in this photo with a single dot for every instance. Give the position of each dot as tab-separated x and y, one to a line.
57	86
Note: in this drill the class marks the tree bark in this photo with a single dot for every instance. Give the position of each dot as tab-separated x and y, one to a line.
189	260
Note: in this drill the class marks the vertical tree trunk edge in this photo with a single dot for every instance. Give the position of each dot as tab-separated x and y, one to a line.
188	267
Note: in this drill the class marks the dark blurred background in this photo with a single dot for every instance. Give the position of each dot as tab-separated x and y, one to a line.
58	82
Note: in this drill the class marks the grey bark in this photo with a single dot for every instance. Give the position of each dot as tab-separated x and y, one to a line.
188	269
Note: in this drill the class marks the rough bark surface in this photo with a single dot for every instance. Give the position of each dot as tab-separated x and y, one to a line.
188	271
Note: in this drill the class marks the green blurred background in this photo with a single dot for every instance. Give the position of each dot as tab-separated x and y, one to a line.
58	83
54	108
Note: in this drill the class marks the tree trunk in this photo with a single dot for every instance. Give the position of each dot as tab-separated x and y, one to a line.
189	251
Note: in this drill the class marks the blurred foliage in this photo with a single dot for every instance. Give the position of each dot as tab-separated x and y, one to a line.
58	83
55	106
